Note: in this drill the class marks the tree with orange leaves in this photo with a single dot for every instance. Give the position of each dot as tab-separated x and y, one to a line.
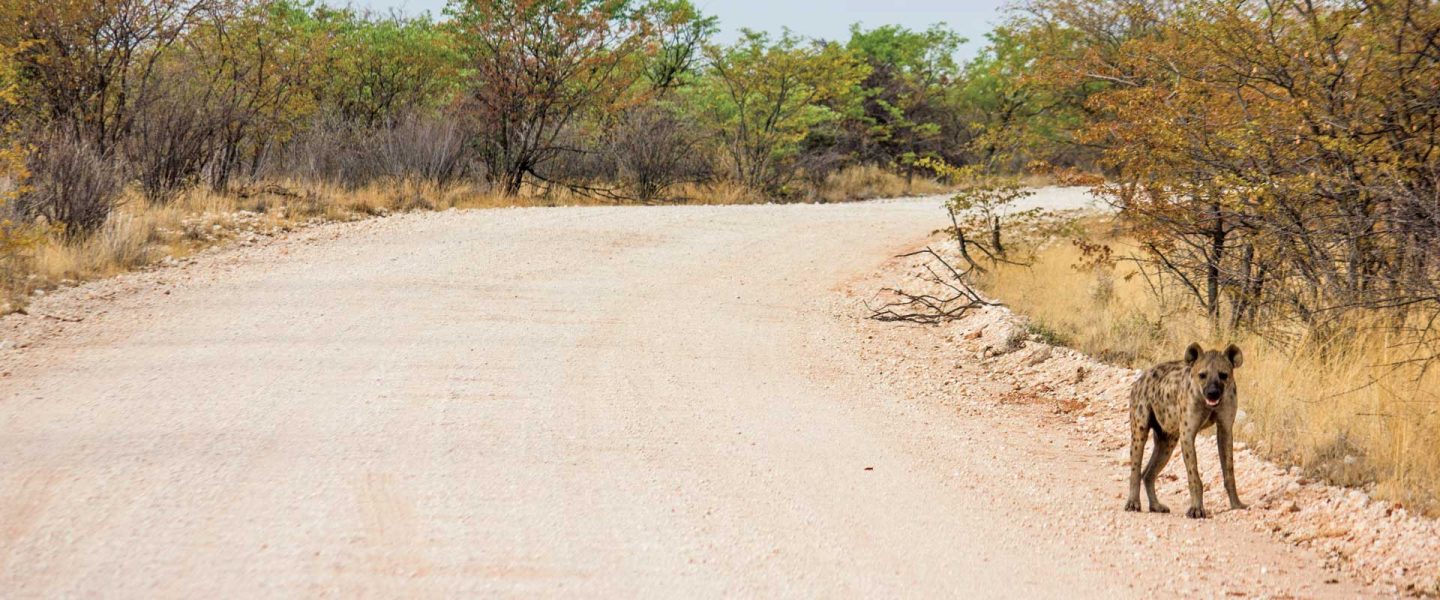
1277	160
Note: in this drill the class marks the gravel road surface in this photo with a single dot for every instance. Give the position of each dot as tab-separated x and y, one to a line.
657	402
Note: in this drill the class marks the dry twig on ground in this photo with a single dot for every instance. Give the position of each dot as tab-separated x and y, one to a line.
955	296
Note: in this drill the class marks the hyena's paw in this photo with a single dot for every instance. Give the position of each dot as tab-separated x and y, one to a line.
1132	506
1156	507
1196	512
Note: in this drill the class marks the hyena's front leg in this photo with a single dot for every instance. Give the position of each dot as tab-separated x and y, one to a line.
1225	441
1192	471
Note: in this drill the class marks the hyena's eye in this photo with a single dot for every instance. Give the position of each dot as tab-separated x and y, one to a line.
1224	376
1201	376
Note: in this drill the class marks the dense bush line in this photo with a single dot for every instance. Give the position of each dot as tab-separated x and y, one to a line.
624	99
1276	166
1278	162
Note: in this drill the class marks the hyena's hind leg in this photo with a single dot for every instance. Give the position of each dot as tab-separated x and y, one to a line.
1159	457
1140	419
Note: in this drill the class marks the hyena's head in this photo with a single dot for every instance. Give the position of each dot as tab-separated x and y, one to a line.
1212	372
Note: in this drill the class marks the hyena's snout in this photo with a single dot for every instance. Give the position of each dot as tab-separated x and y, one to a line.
1214	391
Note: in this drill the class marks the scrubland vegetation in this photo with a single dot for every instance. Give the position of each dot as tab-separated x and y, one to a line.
127	123
1274	166
1346	409
1276	181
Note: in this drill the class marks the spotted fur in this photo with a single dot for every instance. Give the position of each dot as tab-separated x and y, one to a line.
1176	401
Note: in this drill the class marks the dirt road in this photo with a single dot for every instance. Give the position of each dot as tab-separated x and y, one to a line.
594	401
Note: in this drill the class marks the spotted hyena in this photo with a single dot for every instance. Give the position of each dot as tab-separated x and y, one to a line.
1178	400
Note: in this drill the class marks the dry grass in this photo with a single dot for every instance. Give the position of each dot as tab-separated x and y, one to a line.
1339	409
121	244
864	182
719	193
138	234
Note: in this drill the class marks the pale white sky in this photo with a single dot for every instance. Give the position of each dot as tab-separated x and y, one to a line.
811	18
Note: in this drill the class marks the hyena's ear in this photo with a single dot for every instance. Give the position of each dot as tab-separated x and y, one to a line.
1193	353
1235	355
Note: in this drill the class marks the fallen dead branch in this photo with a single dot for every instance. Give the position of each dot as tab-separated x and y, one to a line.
953	298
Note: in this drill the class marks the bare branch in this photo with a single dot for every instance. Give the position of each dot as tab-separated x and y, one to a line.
957	299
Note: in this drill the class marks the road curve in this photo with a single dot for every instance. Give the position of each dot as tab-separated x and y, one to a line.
532	402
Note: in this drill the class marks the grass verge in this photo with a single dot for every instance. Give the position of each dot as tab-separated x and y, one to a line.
138	233
1343	409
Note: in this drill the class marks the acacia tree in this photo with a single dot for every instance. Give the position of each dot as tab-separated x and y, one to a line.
651	146
764	97
535	67
255	71
1004	115
15	238
904	91
88	65
679	32
1157	129
384	67
1277	160
12	162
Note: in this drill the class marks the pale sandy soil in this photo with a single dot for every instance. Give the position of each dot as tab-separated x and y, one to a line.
658	402
987	365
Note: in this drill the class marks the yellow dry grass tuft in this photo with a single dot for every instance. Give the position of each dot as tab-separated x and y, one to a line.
719	193
1343	410
864	182
139	233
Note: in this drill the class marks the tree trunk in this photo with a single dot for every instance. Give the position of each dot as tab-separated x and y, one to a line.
1213	262
995	238
1240	303
513	182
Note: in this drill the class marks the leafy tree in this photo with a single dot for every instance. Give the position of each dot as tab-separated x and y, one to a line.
12	152
679	32
650	145
15	238
1006	116
254	72
904	91
534	67
1276	161
88	65
13	173
384	67
763	97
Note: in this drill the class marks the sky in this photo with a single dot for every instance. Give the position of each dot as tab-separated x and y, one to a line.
811	18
